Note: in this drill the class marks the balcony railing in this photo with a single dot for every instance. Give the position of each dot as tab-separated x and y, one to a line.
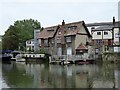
71	57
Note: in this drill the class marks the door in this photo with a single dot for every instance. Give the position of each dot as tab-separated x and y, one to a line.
69	51
59	51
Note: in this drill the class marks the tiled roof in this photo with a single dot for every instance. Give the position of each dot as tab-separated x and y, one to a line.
74	31
48	32
107	27
82	47
102	24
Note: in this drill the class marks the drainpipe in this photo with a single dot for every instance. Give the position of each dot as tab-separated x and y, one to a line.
113	32
102	43
63	38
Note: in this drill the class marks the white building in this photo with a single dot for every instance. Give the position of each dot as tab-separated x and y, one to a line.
106	34
30	45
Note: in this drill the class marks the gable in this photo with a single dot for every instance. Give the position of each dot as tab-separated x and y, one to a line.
82	30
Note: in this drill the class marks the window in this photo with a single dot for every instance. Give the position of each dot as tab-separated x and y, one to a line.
52	41
45	42
98	33
117	35
72	27
58	39
98	42
68	39
59	32
105	33
28	42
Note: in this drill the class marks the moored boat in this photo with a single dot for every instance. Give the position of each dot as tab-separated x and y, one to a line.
5	55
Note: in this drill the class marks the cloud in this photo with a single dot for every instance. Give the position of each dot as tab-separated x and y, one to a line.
53	13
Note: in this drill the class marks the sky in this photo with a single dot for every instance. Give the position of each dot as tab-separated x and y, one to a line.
53	12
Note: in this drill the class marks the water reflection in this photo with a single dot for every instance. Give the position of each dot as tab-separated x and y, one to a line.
21	75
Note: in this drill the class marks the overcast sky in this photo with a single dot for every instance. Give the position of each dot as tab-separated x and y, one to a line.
52	12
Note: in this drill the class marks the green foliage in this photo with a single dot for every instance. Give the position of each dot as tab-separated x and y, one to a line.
19	33
42	50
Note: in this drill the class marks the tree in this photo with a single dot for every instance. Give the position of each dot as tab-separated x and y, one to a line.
19	33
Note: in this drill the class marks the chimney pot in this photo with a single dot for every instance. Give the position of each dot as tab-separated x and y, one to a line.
63	23
113	20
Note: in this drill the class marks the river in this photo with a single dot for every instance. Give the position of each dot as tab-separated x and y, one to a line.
36	75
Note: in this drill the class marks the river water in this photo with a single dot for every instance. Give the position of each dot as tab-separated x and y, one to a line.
36	75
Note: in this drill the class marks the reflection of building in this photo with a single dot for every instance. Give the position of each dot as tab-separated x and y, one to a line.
64	39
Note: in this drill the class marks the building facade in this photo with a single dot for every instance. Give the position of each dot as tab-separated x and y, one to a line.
30	45
36	41
65	39
106	36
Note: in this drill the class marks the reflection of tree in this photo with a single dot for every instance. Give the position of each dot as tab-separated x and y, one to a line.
105	76
107	71
16	78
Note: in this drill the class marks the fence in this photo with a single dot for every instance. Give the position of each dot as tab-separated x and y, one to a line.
70	57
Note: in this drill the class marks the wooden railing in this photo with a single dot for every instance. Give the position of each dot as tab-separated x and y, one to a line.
71	57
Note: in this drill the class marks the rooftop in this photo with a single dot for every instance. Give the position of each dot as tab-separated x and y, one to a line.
49	32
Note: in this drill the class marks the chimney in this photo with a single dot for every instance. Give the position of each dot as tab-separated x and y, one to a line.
113	20
63	23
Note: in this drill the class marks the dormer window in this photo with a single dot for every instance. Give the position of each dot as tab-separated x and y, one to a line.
105	33
72	27
50	30
98	33
92	28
